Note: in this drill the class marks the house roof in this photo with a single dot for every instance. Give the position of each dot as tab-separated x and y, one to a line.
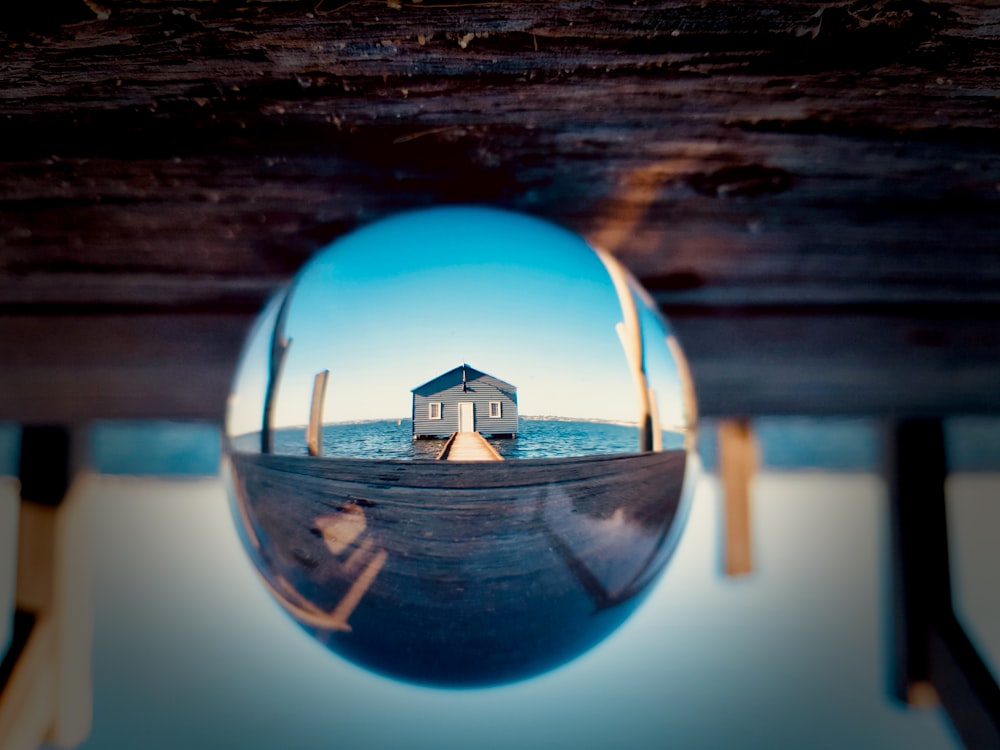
443	380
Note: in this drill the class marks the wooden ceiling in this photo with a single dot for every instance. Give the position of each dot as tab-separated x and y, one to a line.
811	191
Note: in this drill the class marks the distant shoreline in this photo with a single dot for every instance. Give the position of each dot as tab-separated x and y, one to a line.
537	437
530	418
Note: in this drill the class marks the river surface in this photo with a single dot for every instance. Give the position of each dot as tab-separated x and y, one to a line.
537	438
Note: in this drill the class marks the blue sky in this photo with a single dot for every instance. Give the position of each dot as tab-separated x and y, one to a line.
401	301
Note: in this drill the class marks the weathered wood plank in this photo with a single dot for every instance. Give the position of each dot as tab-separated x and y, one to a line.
753	361
917	360
468	446
726	147
70	368
795	183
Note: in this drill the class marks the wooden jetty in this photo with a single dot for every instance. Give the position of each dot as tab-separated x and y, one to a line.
468	446
460	573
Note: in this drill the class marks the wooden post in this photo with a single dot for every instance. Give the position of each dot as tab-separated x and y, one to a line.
629	331
737	466
276	362
9	503
314	435
915	473
48	695
690	411
933	658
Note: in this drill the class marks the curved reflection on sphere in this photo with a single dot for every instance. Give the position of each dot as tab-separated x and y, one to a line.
461	446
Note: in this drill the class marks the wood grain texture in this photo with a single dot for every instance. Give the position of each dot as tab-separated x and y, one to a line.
790	170
460	574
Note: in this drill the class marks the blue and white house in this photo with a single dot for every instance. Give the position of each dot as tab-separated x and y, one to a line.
464	400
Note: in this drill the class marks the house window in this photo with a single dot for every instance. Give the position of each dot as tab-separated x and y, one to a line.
495	409
434	410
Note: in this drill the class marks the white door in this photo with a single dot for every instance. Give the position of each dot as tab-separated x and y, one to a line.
466	421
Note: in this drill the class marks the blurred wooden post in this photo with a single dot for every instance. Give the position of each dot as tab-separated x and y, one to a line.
314	435
9	503
737	466
933	657
915	472
48	693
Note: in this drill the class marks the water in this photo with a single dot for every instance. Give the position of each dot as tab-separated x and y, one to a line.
393	439
786	443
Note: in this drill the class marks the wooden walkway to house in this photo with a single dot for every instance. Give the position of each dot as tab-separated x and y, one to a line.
468	446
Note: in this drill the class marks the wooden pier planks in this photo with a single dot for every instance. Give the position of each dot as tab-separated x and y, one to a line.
468	446
354	475
374	541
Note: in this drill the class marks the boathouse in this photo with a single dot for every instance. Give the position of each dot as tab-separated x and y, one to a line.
464	400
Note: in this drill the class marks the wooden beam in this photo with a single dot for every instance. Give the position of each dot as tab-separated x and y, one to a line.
903	360
179	364
783	179
72	367
713	145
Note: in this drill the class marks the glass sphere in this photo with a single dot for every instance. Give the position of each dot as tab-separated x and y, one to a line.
461	446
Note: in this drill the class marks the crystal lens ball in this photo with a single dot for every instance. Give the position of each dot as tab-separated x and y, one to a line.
461	446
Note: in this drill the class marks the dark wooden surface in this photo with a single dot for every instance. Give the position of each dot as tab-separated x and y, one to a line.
810	190
488	571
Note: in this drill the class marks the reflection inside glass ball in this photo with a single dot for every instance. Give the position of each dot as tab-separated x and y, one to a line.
461	446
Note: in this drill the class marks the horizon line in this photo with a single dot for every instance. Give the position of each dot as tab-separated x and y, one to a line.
532	417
